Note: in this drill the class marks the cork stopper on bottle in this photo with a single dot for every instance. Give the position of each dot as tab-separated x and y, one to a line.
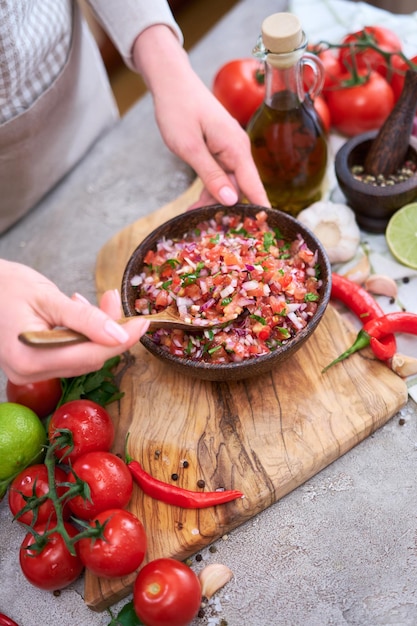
281	33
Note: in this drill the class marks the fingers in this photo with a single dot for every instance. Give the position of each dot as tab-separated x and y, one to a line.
27	364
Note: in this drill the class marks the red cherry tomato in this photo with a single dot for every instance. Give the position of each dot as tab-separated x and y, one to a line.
122	548
368	58
54	567
361	108
42	397
90	424
166	593
32	482
397	76
109	480
239	86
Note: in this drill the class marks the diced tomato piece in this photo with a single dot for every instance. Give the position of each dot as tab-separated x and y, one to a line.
162	299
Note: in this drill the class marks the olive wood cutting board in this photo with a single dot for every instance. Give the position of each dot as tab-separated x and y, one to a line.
263	436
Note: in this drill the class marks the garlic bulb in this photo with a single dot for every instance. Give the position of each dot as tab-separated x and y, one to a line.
336	228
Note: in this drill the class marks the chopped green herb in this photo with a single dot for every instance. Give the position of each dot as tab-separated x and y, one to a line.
189	347
311	297
285	332
258	318
226	301
213	350
167	284
269	240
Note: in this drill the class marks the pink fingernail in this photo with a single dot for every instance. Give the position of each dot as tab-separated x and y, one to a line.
80	298
228	196
116	331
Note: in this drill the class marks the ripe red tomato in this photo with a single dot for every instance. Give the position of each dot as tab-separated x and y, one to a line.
399	68
323	112
361	108
166	593
33	482
109	480
239	86
90	424
122	548
42	397
368	58
331	65
54	567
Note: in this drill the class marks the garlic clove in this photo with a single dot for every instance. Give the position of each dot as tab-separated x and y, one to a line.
213	577
360	272
336	228
381	285
404	365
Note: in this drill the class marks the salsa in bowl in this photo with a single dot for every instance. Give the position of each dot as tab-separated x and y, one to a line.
257	270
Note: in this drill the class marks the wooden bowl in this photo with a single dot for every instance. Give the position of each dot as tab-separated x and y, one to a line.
373	206
253	366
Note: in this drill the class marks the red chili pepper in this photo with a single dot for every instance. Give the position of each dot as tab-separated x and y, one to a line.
378	328
366	308
400	322
171	494
6	621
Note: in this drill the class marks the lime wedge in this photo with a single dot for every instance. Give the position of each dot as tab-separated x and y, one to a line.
401	235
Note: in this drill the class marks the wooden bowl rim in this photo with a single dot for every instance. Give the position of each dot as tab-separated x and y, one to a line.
248	367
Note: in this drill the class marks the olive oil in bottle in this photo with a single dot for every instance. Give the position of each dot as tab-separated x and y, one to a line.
288	142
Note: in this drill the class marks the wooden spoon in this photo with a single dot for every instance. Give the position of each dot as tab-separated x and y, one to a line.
168	318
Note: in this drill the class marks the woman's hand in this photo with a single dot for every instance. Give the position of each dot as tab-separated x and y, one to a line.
29	301
193	123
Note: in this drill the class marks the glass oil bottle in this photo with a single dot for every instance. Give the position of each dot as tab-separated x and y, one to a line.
288	141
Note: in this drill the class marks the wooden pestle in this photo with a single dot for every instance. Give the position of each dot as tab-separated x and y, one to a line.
389	148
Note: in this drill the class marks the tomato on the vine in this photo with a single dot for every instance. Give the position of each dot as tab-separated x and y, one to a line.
331	66
323	112
397	74
166	593
367	58
122	548
32	482
109	480
239	86
53	567
42	397
360	108
90	424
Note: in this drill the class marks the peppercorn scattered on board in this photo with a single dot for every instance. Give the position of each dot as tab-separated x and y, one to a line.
264	436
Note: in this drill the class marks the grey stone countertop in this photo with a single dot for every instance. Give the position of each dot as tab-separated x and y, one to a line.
342	548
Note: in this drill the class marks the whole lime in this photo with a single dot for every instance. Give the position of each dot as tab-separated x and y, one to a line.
22	439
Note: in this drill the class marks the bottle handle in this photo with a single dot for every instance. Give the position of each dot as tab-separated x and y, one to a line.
317	68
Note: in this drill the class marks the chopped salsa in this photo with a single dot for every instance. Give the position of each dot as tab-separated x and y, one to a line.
233	269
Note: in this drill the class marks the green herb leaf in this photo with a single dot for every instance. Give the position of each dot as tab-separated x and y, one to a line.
126	617
100	386
311	297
